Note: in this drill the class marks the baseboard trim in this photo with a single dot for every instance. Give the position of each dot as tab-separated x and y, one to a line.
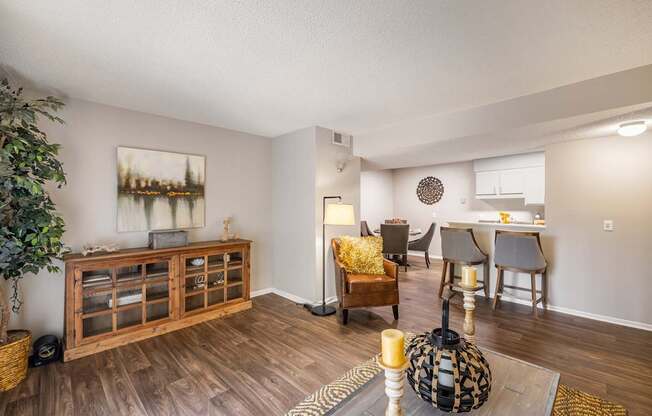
290	296
261	292
420	254
581	314
568	311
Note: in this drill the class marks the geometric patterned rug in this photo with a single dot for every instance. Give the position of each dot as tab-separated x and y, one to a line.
569	401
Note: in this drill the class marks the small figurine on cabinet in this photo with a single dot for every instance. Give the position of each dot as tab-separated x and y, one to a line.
226	235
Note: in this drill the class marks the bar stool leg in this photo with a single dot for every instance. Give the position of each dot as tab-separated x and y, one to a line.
451	275
544	288
533	279
499	283
442	281
486	279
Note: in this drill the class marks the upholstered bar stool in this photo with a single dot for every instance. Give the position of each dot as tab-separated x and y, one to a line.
520	252
458	246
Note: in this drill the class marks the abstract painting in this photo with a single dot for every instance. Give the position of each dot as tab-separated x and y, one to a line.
159	190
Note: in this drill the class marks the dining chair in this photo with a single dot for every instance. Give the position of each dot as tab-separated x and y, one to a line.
364	229
423	243
520	252
395	240
458	246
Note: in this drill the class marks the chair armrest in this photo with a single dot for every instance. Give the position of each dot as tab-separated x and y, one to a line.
391	268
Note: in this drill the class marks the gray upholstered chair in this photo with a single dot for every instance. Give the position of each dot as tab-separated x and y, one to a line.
520	252
395	240
423	243
364	229
458	246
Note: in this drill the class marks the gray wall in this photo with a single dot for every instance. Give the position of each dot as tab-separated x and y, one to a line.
238	184
330	182
588	181
305	169
294	156
376	196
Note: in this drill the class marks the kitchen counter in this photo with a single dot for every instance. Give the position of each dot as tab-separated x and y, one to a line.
511	226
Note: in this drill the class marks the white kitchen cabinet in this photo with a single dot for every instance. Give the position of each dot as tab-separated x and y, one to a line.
486	183
512	182
511	177
535	186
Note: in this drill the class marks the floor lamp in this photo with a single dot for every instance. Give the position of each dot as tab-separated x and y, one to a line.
332	214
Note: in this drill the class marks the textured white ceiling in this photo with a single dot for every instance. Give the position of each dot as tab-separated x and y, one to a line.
269	67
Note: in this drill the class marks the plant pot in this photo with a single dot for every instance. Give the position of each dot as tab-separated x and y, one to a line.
13	358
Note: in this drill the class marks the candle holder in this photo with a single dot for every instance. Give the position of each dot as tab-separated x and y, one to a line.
468	292
447	371
394	379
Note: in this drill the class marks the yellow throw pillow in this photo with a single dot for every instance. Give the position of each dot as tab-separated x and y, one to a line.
362	255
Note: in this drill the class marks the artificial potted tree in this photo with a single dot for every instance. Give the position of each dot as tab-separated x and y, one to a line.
31	228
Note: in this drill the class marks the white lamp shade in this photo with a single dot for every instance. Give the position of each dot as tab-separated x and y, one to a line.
339	214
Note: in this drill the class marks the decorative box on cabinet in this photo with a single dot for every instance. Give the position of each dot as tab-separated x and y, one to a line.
113	299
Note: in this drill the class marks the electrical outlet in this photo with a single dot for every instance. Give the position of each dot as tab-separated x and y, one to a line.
607	225
463	201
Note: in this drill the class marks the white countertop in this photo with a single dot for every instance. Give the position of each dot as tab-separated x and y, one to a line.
499	225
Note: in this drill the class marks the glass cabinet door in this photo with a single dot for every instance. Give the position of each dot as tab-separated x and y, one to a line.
157	290
97	325
234	275
121	296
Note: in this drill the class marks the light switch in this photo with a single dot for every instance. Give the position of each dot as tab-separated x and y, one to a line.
462	200
607	225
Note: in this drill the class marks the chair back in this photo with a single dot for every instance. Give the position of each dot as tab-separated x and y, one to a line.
395	238
364	229
520	251
458	245
423	243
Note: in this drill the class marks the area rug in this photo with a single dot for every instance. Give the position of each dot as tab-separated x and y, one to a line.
569	401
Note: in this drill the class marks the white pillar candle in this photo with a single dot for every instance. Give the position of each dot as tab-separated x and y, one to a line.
446	379
469	276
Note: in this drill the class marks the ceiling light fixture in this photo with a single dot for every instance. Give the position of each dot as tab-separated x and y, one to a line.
632	128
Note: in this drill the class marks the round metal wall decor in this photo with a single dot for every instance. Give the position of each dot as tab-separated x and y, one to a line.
430	190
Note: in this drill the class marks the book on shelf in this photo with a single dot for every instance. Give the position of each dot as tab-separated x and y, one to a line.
127	299
96	280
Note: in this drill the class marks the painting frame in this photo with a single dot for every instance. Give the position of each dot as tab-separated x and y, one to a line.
159	190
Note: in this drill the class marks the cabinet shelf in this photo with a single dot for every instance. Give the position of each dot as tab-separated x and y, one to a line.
157	301
134	305
150	276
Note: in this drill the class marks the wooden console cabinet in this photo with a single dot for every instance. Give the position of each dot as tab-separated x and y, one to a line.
113	299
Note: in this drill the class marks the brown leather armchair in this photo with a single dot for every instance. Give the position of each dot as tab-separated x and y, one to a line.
364	290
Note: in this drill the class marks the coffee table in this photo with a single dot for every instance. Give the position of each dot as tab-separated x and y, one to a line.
518	388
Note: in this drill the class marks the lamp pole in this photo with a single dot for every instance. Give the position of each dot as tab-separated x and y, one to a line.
323	310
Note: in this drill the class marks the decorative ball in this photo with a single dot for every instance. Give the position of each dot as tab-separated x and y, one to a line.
448	372
430	190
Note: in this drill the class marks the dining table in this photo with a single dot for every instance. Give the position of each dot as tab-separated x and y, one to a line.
414	232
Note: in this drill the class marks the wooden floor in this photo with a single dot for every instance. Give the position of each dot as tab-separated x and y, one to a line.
263	361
